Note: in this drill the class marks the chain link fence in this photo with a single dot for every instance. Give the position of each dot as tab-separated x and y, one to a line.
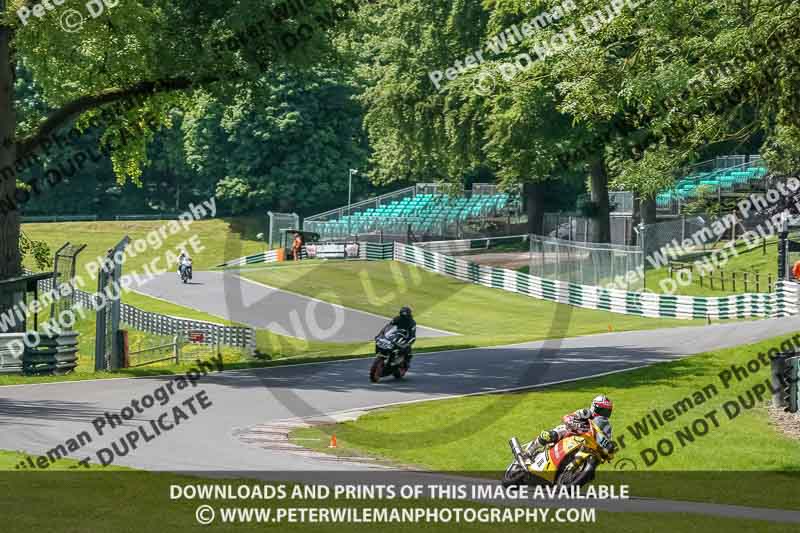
621	201
575	227
587	263
278	222
661	237
697	234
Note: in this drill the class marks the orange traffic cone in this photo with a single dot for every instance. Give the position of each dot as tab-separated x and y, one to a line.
333	441
610	329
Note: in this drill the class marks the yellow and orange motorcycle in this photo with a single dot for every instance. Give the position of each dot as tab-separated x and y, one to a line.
570	461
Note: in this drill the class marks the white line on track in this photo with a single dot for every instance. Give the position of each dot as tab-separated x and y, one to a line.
310	363
464	395
334	304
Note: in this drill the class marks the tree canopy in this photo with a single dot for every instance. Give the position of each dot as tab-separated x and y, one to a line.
266	104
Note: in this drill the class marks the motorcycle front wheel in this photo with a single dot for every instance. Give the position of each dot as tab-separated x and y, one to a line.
400	371
577	477
376	372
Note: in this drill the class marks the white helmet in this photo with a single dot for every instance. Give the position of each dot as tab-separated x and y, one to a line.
602	406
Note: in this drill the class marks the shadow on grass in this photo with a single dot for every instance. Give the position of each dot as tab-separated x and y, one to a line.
247	228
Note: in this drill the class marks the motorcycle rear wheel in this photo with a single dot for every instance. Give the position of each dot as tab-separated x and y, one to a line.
376	372
514	476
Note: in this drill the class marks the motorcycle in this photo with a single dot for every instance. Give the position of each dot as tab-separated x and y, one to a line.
186	271
390	359
570	461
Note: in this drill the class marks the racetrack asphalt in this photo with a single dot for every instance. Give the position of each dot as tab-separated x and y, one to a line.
227	295
35	418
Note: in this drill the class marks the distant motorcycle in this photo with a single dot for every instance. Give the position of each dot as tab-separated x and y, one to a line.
186	271
390	358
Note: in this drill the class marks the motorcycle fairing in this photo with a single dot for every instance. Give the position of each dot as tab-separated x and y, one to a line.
564	448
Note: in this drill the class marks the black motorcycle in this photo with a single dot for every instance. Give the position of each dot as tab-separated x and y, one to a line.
390	358
186	272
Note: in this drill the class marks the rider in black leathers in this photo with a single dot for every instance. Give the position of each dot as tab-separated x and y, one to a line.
404	322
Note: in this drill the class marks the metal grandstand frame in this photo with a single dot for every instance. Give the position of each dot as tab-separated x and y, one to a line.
717	166
339	212
448	227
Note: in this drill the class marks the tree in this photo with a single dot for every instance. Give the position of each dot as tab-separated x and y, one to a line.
420	131
288	143
129	68
627	98
415	132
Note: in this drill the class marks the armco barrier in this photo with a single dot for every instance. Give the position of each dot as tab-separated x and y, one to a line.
270	256
11	353
375	251
465	245
58	218
368	250
783	302
158	324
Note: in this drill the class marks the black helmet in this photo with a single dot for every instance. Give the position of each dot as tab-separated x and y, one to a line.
405	311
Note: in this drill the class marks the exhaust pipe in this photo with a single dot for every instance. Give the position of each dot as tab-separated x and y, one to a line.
516	450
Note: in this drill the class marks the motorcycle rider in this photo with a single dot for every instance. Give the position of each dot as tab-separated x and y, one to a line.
183	260
578	422
404	322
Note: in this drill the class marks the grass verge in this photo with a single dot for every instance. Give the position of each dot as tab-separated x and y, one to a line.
221	239
133	501
756	261
740	448
382	287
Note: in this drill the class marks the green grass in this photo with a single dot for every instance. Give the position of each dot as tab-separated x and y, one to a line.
232	358
134	501
10	461
483	315
753	260
223	239
479	316
471	434
272	349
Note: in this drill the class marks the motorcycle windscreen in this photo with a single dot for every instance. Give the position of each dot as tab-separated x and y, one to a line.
385	342
394	335
390	333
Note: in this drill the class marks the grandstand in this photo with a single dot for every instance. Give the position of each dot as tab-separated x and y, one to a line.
424	209
725	176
